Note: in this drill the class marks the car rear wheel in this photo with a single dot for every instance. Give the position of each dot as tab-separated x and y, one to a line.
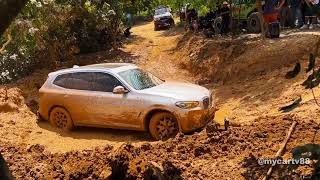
156	28
217	24
60	117
254	23
163	126
172	23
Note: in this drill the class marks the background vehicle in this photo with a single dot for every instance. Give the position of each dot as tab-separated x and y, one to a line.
123	96
244	16
163	18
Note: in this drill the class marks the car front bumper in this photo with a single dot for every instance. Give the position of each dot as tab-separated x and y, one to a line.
194	119
162	23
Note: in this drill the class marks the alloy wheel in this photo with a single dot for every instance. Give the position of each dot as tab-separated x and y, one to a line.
60	119
167	127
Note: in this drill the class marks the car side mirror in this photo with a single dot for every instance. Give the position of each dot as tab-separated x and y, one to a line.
119	90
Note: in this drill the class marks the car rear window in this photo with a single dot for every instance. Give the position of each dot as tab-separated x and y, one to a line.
91	81
80	81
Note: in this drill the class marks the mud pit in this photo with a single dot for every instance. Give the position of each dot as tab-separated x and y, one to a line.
248	78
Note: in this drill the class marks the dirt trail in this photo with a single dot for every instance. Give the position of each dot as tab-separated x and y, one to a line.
151	50
156	52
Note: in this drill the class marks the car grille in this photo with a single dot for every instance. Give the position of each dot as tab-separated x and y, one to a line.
206	103
164	18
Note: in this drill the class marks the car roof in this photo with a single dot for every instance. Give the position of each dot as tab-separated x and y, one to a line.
110	67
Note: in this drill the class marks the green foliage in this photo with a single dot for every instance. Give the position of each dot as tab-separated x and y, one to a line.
50	32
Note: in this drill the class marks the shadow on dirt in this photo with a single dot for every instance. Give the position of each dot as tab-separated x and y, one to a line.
106	57
89	133
134	39
304	151
306	165
177	30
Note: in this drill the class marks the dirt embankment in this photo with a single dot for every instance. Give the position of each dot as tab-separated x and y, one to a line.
248	74
243	58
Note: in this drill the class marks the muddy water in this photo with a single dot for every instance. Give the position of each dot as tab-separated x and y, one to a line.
223	113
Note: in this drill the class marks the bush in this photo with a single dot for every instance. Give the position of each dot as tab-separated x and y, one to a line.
51	32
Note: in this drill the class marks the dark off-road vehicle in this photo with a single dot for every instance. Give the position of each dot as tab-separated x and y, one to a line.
163	18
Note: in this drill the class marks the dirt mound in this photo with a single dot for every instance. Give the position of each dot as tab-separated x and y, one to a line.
10	99
11	95
8	107
199	156
228	59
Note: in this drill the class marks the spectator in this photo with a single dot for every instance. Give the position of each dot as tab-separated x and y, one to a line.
296	10
312	9
225	14
129	20
191	16
271	13
285	15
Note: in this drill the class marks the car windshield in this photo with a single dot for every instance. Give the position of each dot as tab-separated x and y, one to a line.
161	11
140	79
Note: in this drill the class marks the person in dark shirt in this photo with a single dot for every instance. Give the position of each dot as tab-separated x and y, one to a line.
296	11
285	15
225	14
312	9
191	15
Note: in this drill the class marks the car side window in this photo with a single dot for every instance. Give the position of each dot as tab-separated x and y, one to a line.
104	82
79	81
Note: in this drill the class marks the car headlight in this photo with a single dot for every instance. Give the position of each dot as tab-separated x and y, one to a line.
156	19
187	104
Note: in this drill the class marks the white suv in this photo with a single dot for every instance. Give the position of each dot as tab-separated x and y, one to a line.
123	96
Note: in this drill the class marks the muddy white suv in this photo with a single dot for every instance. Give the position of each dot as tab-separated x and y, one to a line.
123	96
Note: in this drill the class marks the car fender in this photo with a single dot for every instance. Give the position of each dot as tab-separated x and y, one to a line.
158	108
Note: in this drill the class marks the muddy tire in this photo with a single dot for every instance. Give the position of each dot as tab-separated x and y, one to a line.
217	25
163	126
254	23
60	118
156	28
172	24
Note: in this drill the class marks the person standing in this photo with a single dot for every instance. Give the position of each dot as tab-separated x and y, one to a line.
225	14
312	9
285	15
271	13
129	20
296	10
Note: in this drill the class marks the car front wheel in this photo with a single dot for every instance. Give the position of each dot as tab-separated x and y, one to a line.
60	117
163	126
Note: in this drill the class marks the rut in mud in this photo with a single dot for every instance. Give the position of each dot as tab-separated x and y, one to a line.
247	76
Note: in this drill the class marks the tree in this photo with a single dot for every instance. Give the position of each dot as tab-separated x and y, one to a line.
9	9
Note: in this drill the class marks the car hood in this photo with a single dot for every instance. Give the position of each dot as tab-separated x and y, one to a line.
167	14
179	91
